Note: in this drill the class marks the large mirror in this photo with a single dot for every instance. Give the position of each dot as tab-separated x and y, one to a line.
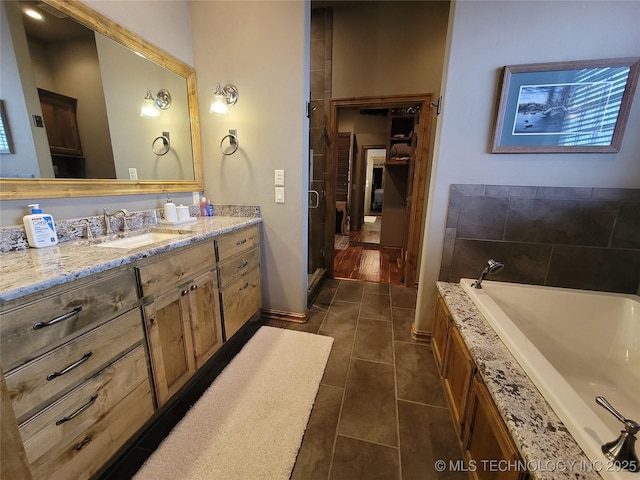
73	105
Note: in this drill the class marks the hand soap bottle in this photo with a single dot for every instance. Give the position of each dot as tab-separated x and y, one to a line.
41	231
170	214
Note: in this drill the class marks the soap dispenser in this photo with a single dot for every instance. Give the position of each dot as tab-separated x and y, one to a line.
41	231
170	214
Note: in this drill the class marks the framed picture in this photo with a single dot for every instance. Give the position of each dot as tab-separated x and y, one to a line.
6	145
570	107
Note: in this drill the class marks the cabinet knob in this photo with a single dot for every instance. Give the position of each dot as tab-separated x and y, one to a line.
193	287
184	292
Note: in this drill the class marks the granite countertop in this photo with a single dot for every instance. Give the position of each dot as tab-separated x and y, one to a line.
549	450
29	271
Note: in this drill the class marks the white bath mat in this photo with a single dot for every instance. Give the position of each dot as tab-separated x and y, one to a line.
249	424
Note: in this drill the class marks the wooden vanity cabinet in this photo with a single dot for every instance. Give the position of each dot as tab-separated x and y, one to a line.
457	372
440	332
181	315
238	255
76	383
482	432
486	438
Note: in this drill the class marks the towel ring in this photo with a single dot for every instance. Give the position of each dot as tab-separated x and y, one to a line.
233	141
166	146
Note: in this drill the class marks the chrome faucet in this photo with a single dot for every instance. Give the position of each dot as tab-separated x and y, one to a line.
492	267
622	450
107	221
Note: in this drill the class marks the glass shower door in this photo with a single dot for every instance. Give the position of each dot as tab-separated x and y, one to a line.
316	272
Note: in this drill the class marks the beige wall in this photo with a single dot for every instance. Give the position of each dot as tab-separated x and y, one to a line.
388	48
133	135
483	37
72	69
262	48
31	155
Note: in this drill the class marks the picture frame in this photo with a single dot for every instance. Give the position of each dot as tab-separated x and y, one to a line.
564	107
6	143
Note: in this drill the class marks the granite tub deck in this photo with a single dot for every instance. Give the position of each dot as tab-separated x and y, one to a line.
29	271
549	450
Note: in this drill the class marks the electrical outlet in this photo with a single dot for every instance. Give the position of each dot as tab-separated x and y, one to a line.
133	174
196	197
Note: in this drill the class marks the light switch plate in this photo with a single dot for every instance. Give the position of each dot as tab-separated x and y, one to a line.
279	194
279	178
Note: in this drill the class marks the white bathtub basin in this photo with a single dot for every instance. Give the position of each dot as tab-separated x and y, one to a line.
575	345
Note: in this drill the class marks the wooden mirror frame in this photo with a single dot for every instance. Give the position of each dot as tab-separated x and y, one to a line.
19	188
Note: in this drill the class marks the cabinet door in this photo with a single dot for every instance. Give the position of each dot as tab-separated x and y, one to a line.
240	301
486	439
170	342
440	331
59	112
206	327
458	371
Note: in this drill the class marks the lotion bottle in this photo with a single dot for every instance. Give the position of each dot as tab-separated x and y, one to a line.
41	231
203	207
170	214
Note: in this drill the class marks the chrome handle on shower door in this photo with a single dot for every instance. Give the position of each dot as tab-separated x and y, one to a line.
315	192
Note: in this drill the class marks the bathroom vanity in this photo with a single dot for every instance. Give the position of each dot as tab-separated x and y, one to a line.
95	340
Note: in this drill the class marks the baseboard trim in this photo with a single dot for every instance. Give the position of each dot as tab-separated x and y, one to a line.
285	316
420	336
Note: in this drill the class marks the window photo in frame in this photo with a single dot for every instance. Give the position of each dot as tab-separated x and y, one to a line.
579	106
6	144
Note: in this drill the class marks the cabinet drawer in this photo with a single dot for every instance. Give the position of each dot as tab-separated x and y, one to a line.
158	276
238	266
48	433
24	336
240	301
231	244
85	453
41	381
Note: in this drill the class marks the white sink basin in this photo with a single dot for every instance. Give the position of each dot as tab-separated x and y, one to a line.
138	241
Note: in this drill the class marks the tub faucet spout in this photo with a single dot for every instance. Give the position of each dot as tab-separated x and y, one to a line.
492	267
622	450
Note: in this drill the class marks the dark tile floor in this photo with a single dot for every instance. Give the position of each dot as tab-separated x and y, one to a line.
380	412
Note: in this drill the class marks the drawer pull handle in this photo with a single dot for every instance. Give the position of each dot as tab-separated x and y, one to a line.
244	240
242	288
193	287
75	311
84	358
91	401
242	265
83	443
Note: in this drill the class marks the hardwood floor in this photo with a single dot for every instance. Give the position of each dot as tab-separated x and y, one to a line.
369	233
373	264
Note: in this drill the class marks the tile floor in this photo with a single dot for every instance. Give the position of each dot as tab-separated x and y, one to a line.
380	411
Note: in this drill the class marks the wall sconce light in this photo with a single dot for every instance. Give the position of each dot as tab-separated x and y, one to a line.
223	98
151	104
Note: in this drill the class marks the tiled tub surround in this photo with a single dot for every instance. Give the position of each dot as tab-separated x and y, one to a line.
549	450
586	238
31	270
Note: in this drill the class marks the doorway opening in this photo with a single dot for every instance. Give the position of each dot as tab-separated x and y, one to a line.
386	183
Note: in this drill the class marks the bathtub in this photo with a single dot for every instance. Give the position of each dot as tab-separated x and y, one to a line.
574	345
